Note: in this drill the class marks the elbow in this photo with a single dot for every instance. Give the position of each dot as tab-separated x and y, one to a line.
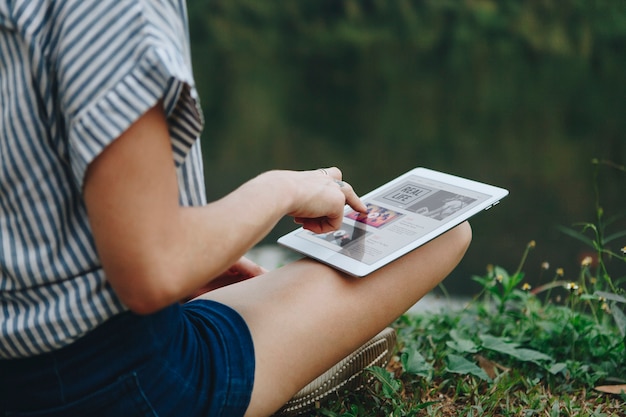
143	305
145	291
145	302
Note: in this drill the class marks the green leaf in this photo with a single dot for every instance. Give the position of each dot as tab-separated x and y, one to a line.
586	297
390	386
459	365
610	296
530	355
501	272
422	406
614	236
414	363
557	368
461	344
576	235
485	282
555	411
615	218
510	348
619	317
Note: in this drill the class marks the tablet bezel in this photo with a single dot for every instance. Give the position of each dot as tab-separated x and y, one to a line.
356	268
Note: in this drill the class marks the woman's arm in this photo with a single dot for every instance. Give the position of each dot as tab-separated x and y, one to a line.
155	252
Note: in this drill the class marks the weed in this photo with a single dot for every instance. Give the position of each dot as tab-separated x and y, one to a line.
555	350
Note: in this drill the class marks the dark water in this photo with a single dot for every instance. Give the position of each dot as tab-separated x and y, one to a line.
515	94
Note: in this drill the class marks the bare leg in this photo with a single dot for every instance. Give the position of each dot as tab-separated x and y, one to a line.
305	317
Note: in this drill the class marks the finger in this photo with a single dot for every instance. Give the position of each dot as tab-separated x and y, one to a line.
340	184
249	268
321	224
332	172
323	171
356	203
351	198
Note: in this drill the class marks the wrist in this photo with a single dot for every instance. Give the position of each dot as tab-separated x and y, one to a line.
279	188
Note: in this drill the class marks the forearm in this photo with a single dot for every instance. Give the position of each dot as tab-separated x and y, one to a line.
182	251
218	234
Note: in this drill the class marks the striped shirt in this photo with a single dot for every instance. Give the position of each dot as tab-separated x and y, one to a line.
74	75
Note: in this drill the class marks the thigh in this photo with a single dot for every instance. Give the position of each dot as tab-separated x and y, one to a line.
305	316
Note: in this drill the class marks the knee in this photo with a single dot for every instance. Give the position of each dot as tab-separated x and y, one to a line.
461	237
465	233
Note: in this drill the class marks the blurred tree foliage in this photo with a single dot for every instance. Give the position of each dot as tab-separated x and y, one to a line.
520	93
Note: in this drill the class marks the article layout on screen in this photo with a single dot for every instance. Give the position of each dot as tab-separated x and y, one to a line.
395	217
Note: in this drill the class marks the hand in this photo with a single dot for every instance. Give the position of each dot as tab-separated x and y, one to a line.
242	270
321	210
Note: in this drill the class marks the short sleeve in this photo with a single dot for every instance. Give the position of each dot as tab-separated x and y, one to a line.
114	60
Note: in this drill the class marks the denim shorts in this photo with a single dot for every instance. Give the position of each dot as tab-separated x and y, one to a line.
187	360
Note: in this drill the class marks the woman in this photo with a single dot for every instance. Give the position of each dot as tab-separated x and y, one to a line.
105	228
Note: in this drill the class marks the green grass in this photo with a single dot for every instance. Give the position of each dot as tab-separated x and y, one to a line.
509	354
555	350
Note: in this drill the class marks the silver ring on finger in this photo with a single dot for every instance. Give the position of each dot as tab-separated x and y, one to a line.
323	171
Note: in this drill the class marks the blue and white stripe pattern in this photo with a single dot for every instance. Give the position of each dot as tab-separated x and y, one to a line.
74	74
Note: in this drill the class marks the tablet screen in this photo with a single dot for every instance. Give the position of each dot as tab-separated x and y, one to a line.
394	218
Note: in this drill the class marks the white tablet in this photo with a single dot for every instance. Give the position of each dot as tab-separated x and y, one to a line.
402	215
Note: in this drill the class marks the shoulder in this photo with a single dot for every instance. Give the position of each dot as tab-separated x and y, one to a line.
63	26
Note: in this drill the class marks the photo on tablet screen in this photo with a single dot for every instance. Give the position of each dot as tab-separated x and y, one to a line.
376	216
441	204
342	237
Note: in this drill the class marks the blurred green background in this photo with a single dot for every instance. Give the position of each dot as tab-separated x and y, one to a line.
521	94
